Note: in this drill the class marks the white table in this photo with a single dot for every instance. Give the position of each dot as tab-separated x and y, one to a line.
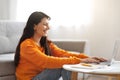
113	70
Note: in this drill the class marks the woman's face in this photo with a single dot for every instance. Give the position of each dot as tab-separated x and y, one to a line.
41	28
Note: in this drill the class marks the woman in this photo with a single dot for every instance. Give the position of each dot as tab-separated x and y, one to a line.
37	58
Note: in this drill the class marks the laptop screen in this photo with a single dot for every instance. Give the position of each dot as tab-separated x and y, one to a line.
116	51
115	54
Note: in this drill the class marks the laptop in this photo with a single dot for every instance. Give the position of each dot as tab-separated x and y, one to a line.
116	51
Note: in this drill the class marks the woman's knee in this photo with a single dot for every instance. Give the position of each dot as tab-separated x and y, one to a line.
49	74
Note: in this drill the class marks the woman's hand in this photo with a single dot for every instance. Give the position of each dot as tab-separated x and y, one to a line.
93	60
99	58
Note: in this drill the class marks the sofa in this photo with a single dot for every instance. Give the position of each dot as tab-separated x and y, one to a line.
10	32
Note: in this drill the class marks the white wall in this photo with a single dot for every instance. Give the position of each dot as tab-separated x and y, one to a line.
101	33
105	28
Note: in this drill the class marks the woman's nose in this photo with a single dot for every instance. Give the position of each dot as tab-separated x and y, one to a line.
48	27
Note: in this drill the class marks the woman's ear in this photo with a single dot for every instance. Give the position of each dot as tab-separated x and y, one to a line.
35	27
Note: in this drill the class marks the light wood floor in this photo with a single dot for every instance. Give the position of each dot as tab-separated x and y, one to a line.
96	77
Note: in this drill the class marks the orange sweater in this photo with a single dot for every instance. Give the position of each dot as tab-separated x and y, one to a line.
33	59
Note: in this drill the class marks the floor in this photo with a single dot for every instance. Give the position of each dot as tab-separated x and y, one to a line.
95	77
92	77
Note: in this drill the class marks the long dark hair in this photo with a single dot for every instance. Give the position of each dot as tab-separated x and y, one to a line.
28	32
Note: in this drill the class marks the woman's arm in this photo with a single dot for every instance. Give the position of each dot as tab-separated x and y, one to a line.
56	51
34	55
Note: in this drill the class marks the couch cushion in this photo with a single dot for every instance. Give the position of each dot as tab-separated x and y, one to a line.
9	77
7	64
10	33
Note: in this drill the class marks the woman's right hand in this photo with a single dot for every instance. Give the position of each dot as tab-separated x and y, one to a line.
90	60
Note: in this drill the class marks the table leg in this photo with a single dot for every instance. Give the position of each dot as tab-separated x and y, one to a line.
83	77
109	78
74	75
118	77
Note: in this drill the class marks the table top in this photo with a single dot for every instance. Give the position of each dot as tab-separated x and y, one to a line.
96	69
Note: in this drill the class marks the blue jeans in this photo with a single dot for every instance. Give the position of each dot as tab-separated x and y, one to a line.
53	74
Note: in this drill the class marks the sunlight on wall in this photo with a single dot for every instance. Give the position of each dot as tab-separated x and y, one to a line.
62	12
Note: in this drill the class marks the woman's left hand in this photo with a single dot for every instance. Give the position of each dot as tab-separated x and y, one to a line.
100	59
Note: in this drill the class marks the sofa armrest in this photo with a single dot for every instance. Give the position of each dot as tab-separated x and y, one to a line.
77	46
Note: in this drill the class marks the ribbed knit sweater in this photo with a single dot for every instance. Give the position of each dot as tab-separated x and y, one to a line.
33	59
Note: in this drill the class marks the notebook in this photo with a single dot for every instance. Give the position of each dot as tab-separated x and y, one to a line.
87	66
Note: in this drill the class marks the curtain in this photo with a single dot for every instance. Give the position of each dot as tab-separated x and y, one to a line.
8	9
62	12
